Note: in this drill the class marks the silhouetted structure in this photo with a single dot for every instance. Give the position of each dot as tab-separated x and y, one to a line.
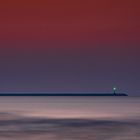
63	94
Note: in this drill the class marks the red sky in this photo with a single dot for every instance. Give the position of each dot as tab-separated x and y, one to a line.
100	41
74	20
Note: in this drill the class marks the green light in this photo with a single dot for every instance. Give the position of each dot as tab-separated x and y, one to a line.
114	88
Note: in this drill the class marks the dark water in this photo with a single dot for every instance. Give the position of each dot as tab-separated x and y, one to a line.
70	118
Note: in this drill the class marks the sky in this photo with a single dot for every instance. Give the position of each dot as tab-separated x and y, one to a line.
70	46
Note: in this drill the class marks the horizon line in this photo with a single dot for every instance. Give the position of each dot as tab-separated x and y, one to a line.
63	94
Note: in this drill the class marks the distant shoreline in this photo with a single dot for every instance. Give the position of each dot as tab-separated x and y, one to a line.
62	94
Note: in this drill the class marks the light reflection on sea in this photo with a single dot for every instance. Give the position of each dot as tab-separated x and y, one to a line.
69	118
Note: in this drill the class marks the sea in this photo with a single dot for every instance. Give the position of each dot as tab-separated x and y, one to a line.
70	118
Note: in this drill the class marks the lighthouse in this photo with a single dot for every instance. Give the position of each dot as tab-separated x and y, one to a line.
114	90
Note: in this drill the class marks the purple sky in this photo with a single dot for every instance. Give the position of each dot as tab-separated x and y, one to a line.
70	46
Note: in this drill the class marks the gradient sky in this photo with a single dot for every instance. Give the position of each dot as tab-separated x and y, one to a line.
70	45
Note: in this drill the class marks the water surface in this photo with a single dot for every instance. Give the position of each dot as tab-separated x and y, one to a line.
70	118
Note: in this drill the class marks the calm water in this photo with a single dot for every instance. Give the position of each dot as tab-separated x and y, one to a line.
70	118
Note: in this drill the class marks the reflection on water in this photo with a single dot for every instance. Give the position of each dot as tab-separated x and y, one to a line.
67	129
16	123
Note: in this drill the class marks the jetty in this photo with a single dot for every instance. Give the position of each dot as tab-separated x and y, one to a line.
63	94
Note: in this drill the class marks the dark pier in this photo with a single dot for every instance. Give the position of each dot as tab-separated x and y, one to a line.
63	94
